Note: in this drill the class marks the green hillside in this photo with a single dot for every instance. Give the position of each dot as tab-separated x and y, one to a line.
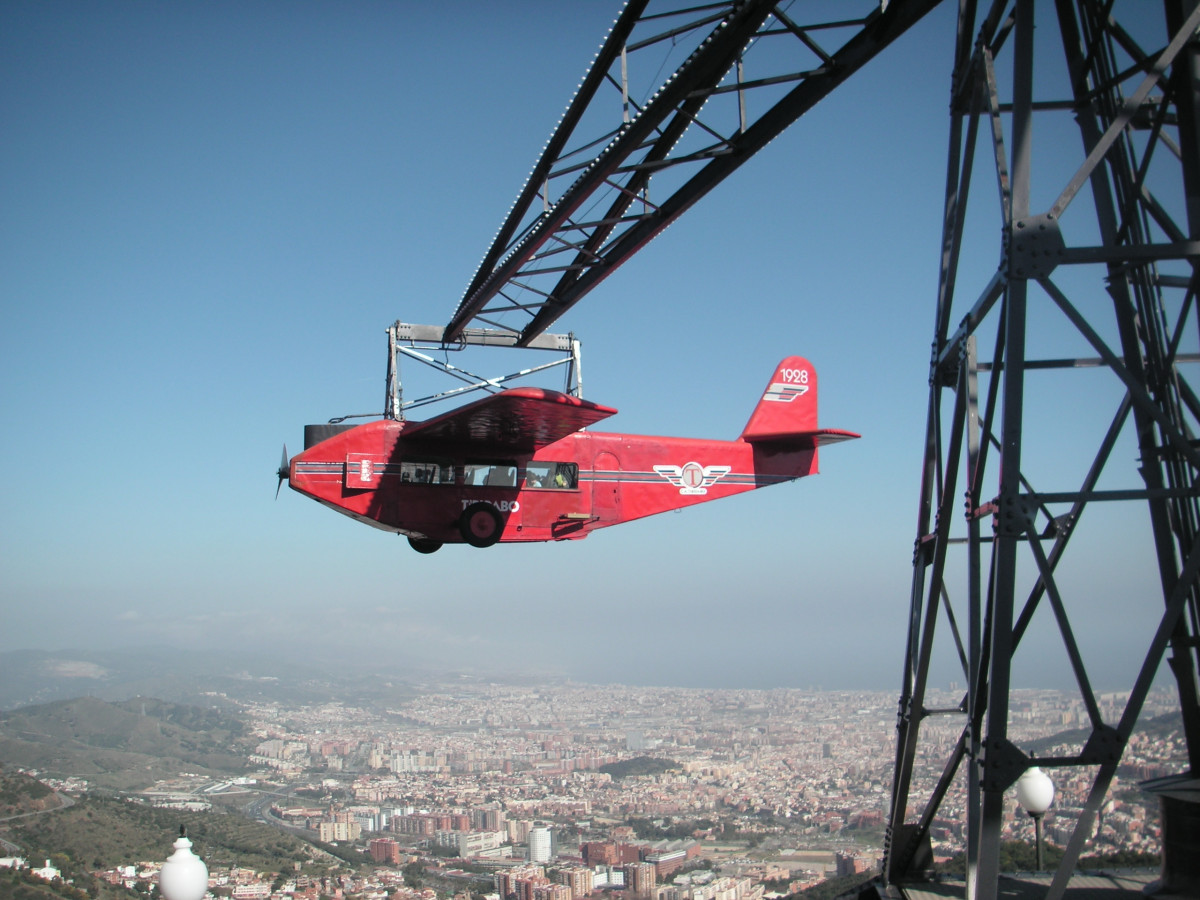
1157	727
639	765
21	885
20	794
98	833
121	745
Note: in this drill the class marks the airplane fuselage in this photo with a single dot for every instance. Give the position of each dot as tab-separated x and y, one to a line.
565	490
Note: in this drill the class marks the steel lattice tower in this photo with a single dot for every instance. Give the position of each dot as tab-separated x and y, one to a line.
1109	265
1097	282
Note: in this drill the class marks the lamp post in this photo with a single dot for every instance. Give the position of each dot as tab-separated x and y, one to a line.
1035	793
184	875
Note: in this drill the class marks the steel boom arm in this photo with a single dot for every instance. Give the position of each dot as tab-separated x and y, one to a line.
692	132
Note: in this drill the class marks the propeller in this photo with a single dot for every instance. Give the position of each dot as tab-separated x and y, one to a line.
283	471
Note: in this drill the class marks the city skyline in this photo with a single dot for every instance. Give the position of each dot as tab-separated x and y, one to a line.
801	771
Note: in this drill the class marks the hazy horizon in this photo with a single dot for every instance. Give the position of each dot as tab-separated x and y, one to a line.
211	212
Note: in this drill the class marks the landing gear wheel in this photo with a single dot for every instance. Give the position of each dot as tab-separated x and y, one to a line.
424	545
480	525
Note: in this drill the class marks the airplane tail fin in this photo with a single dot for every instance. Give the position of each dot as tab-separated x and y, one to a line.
787	411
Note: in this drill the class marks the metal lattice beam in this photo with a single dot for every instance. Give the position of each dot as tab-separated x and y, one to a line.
1136	184
619	170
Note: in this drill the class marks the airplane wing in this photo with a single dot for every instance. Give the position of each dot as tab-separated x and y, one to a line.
517	419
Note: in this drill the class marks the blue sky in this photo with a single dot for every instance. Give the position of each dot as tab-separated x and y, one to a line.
209	213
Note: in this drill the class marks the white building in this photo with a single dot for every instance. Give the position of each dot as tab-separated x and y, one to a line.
539	844
473	843
47	872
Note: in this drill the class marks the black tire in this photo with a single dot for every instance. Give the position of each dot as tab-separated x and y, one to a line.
424	545
480	525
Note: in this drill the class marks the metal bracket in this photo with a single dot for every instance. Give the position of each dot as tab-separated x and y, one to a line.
1012	515
1002	764
1105	744
1035	246
406	339
1059	526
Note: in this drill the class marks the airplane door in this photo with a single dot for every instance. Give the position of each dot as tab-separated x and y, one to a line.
606	487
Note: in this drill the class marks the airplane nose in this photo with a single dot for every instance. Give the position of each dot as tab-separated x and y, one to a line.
282	472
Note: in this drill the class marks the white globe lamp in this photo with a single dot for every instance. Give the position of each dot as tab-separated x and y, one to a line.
184	875
1035	793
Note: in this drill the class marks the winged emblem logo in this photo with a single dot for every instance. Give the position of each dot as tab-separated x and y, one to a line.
784	392
692	478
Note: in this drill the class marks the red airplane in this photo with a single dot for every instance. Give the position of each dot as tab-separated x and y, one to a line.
518	466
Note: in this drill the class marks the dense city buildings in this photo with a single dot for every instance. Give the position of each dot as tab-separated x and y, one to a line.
791	771
557	792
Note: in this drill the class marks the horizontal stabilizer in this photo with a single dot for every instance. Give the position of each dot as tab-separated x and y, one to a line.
804	439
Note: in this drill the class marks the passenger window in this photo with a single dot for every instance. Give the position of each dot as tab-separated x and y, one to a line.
490	474
426	472
550	475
